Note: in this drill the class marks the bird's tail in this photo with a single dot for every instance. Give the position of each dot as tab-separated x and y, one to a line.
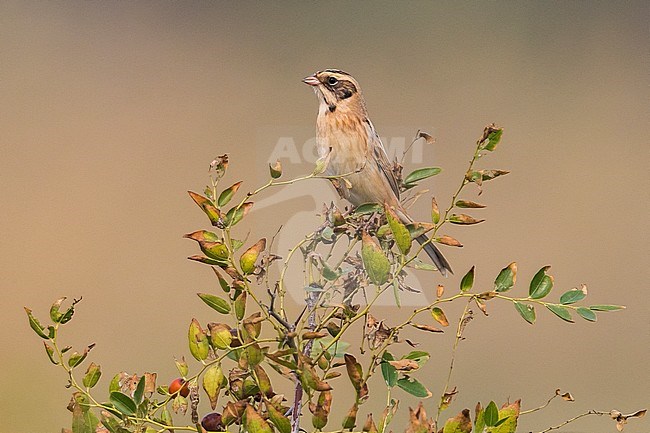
436	256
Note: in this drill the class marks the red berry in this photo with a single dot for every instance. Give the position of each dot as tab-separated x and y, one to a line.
179	384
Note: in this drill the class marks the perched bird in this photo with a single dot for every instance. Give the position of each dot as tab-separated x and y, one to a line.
351	149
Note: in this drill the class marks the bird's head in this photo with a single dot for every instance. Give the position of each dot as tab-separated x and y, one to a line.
337	90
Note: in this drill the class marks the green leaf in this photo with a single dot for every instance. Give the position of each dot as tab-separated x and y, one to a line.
83	419
525	311
226	195
235	214
586	314
574	295
491	138
541	284
275	169
215	302
491	415
55	313
182	367
418	356
280	421
413	387
422	266
375	263
606	307
560	311
479	419
240	305
35	325
222	281
123	403
368	208
114	385
508	417
77	358
421	174
400	232
388	371
50	353
138	394
506	278
93	373
329	273
468	281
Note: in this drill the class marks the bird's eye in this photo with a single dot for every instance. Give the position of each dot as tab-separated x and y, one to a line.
332	81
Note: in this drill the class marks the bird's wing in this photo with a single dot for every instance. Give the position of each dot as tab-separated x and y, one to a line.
380	157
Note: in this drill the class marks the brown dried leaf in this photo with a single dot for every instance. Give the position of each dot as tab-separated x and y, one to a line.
469	204
311	335
412	343
427	137
418	422
463	219
405	365
447	398
461	423
440	290
426	327
448	240
481	306
369	426
565	395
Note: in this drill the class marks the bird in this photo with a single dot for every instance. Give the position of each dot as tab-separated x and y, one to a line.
354	157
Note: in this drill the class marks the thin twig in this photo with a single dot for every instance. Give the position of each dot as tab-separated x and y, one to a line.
575	418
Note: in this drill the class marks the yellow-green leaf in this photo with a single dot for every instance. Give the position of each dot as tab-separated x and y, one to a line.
435	212
375	263
439	316
254	423
213	381
400	232
249	258
220	335
93	373
198	341
226	195
280	421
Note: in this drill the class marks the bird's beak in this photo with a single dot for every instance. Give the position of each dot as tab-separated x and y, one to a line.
311	80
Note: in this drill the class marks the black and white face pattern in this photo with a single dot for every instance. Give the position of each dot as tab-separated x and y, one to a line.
336	87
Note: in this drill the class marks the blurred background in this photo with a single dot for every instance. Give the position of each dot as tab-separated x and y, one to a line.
111	111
